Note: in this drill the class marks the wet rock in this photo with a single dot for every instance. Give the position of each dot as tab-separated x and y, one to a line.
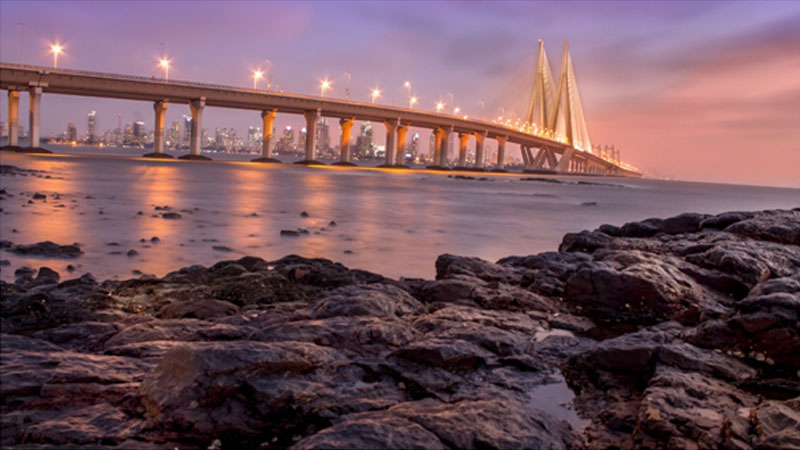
376	300
48	249
221	248
448	266
585	241
683	223
291	233
46	275
38	196
132	252
372	431
24	275
782	227
643	229
304	214
778	424
155	239
332	223
170	215
5	262
199	309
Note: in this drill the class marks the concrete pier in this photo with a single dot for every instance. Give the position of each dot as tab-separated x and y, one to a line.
13	118
344	142
312	117
443	153
35	103
501	154
391	141
480	139
463	141
267	136
160	109
400	152
196	106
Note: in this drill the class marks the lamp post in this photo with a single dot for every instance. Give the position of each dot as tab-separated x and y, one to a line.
323	86
349	83
375	94
164	63
269	73
56	49
257	75
411	102
439	107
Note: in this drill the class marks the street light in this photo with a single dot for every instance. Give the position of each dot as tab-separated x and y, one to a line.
411	102
324	85
164	63
439	107
56	49
349	83
257	75
375	94
456	110
269	73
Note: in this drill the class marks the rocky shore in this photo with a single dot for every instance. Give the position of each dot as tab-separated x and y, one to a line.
674	333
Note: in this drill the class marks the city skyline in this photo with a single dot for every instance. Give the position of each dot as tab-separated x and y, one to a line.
681	113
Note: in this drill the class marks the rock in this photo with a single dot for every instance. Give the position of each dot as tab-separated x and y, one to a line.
372	431
38	196
170	215
377	300
448	266
304	214
645	228
132	252
683	223
445	353
199	309
46	275
291	233
588	203
5	262
585	241
24	275
332	223
155	239
221	248
632	285
783	227
778	424
48	249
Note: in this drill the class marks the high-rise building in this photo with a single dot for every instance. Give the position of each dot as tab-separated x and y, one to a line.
323	136
127	135
204	138
3	129
364	145
286	142
254	137
301	144
139	133
432	147
91	135
72	132
413	149
187	131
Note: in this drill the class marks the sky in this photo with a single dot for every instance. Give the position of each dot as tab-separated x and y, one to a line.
706	91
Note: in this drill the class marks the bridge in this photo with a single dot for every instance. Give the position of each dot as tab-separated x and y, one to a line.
554	139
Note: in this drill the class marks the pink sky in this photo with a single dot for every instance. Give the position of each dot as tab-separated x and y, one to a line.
705	91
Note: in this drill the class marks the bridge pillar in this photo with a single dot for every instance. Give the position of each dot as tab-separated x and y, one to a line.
160	109
501	154
35	99
391	141
438	134
13	118
525	161
463	140
400	160
443	153
267	136
480	138
344	142
196	106
562	166
312	117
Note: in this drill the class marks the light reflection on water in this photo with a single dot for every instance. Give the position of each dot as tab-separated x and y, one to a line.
394	222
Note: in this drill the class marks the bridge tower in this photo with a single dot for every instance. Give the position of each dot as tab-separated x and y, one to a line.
540	107
567	115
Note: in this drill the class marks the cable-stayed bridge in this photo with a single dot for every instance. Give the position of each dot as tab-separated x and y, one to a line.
554	138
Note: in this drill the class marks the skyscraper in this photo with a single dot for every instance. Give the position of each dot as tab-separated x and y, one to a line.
91	135
139	133
72	132
323	136
187	131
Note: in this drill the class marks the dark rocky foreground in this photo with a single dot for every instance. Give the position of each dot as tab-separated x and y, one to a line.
676	333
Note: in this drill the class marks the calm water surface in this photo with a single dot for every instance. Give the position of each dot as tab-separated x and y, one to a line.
392	222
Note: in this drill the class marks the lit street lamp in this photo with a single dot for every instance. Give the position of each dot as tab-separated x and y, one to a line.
324	85
164	63
456	111
439	107
56	49
257	75
411	102
375	94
